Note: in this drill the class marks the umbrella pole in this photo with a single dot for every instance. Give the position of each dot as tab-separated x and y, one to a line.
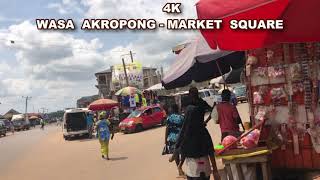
224	80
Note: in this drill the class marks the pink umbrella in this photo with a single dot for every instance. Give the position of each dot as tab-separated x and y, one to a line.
103	104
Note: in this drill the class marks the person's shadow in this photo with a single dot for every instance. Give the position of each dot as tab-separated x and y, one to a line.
118	158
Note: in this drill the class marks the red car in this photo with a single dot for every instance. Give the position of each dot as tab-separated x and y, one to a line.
143	118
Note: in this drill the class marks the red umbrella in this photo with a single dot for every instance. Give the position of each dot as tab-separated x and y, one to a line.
300	19
102	104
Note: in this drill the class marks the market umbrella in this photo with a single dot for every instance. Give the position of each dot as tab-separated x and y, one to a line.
102	104
155	87
128	91
300	19
233	77
198	62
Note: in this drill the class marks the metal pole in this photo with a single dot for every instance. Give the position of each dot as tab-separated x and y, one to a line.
224	80
125	72
131	56
26	109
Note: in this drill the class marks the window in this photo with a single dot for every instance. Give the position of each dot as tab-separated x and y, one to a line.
148	111
213	92
157	109
102	79
207	93
202	95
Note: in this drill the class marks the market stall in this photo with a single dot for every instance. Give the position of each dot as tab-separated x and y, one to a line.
282	79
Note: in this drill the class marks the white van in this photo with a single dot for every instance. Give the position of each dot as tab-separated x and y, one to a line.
209	95
75	123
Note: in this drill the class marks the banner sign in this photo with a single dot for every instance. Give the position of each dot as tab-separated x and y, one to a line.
134	73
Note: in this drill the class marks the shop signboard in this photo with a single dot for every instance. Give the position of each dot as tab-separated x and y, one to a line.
134	73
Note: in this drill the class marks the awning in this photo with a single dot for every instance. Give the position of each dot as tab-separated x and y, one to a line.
198	62
155	87
300	19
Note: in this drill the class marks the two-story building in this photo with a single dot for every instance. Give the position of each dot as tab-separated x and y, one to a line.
107	88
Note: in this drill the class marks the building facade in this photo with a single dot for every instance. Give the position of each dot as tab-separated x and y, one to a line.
106	88
85	101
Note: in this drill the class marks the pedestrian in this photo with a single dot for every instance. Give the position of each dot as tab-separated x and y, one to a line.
174	126
195	141
11	127
144	101
103	134
90	122
42	124
226	115
233	98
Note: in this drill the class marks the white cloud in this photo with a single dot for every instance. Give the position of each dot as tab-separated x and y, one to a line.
49	65
8	19
56	68
66	6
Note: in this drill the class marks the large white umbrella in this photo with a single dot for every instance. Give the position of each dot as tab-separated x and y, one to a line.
199	62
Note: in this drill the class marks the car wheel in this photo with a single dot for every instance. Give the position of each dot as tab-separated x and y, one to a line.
163	122
138	128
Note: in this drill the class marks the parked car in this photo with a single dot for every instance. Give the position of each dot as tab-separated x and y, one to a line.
241	93
7	123
143	118
3	129
20	123
75	123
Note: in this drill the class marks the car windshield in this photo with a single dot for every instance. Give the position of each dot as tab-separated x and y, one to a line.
239	91
134	114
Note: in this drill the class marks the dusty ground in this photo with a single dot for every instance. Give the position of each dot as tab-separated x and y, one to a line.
133	156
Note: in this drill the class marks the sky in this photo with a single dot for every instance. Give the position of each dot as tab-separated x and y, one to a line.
56	68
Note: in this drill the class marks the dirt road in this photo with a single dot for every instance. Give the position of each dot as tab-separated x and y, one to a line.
133	157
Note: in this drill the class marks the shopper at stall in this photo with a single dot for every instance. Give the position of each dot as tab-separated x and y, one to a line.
227	116
174	125
195	141
104	133
144	101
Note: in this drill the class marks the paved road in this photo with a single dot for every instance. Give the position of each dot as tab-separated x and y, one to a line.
38	155
14	147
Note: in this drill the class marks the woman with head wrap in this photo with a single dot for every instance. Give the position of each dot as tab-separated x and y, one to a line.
103	133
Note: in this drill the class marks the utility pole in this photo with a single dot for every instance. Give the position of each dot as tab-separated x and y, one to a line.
125	72
161	72
26	110
131	56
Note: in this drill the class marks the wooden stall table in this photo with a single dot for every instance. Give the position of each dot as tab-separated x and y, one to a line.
259	156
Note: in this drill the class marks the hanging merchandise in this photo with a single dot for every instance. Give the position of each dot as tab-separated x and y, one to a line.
276	71
262	72
257	98
262	113
315	138
295	71
297	88
277	94
251	61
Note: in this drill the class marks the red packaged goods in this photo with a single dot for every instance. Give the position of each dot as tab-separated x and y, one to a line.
229	140
251	140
